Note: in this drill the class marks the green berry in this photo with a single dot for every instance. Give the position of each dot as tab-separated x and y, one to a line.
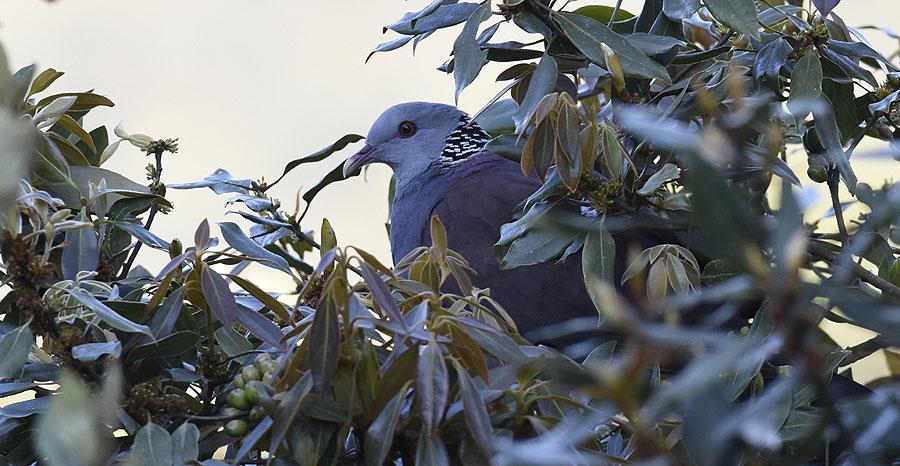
257	414
239	381
251	394
237	399
268	367
261	360
817	173
250	373
237	428
267	378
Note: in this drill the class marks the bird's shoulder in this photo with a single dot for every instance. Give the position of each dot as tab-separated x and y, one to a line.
482	196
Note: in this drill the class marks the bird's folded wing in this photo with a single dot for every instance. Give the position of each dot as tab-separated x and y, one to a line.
472	211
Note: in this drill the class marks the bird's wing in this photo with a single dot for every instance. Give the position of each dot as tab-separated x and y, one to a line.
472	211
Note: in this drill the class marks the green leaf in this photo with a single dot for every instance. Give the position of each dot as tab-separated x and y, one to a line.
806	82
444	16
84	101
185	444
82	250
825	6
233	344
380	435
261	327
830	136
336	174
537	246
390	45
142	234
43	80
542	82
107	315
271	303
477	418
667	173
468	57
75	128
93	351
740	15
603	13
431	451
14	349
320	155
288	409
68	432
381	294
241	242
69	151
152	446
324	343
49	161
678	10
218	296
82	177
432	386
598	261
589	35
172	345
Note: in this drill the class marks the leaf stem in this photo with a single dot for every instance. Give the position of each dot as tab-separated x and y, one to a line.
154	208
836	205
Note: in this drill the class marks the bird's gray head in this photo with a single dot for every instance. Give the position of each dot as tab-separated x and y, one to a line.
419	138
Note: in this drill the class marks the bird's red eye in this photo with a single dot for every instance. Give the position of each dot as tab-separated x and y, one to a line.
406	129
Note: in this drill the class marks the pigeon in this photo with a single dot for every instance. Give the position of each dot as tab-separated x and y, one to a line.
441	167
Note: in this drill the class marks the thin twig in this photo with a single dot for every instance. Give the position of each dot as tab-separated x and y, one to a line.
615	13
154	208
833	186
865	275
864	350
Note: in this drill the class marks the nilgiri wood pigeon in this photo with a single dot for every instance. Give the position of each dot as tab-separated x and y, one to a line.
441	168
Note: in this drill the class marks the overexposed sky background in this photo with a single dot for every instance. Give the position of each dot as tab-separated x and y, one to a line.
250	85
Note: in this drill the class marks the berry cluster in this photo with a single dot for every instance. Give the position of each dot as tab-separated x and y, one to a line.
244	399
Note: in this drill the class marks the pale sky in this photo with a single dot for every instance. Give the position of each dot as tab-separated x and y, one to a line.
249	85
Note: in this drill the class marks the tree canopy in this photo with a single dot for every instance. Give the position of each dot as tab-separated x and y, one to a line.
688	116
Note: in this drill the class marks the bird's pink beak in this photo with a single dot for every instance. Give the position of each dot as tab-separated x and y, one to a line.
354	163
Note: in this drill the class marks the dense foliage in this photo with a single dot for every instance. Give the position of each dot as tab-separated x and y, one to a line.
683	117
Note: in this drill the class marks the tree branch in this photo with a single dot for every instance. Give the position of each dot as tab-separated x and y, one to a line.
865	275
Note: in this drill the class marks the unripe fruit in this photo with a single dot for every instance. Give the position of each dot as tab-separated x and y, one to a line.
267	378
817	173
251	394
257	414
262	359
239	381
237	428
250	373
237	399
268	367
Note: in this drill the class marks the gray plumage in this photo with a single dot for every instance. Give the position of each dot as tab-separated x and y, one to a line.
442	169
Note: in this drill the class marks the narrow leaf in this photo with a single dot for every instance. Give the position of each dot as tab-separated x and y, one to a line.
380	435
218	296
107	315
468	57
14	348
324	344
740	15
589	36
431	386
